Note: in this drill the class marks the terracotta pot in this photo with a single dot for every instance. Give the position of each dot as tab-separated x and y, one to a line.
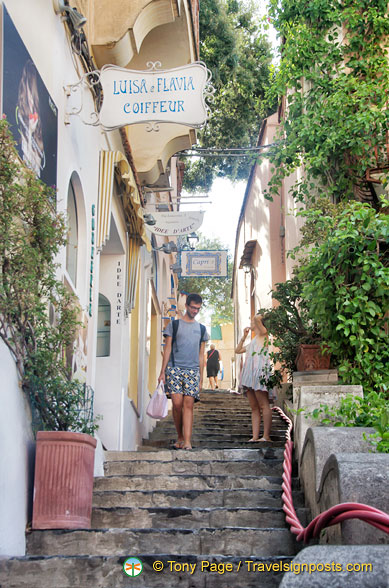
63	482
310	358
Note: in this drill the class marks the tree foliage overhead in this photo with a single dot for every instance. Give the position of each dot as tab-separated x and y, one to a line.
235	49
216	292
334	72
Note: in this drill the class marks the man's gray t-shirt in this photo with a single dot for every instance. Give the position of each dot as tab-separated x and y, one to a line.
187	344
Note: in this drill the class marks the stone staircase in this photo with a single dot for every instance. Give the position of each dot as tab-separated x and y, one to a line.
211	517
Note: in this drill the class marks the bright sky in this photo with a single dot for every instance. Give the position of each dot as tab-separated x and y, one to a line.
222	213
221	217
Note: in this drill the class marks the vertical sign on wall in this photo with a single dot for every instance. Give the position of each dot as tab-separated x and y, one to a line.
92	255
119	293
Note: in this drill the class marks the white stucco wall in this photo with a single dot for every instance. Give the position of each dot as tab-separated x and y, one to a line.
79	145
16	459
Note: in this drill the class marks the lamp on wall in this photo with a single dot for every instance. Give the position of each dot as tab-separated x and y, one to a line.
149	219
176	268
192	240
170	247
247	267
375	178
76	18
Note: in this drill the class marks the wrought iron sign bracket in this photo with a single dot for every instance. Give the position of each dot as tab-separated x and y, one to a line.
75	98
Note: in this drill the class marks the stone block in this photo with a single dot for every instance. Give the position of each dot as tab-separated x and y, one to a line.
355	477
344	564
314	378
283	394
319	444
311	397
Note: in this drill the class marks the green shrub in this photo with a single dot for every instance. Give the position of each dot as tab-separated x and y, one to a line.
31	235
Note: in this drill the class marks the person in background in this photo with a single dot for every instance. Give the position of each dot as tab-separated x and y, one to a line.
213	366
183	367
256	370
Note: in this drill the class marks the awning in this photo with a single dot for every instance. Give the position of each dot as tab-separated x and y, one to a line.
131	199
246	258
132	262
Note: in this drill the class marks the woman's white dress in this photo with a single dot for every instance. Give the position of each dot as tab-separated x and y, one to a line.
256	366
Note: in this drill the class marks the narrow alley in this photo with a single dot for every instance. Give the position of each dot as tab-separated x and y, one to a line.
194	270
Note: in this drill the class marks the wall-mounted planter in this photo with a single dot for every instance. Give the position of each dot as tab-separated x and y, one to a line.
310	358
63	482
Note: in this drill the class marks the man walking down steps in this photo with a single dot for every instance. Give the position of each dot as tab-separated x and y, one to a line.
183	367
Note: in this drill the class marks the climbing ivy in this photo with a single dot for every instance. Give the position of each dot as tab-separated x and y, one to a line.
335	77
346	277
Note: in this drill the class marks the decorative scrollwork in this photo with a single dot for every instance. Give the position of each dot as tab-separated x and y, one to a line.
152	126
153	65
89	79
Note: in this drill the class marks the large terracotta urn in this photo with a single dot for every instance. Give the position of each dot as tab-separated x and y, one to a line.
63	481
310	358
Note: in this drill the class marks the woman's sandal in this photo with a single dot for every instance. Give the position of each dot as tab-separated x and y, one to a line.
178	445
187	448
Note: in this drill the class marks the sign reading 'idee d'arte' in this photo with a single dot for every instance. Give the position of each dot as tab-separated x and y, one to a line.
173	96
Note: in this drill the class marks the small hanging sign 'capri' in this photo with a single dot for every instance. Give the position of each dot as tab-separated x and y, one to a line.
154	96
204	264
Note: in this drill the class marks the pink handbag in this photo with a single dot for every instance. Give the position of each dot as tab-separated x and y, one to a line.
157	407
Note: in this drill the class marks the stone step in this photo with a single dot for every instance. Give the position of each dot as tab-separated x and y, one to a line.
219	428
107	571
212	436
235	498
259	452
188	518
238	541
269	467
206	443
205	410
223	424
186	482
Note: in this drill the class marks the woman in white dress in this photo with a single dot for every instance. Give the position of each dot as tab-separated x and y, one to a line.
254	376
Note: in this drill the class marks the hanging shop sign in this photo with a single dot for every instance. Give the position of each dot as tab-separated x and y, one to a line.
154	96
204	264
176	223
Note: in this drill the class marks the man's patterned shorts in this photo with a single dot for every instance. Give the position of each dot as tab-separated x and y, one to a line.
184	381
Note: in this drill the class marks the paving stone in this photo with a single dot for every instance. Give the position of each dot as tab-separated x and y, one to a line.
228	541
184	517
107	572
258	468
194	498
230	454
185	482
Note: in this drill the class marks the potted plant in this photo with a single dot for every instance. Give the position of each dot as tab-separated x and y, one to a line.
62	411
38	324
296	338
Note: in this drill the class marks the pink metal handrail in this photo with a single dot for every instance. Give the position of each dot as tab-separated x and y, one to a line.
332	516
